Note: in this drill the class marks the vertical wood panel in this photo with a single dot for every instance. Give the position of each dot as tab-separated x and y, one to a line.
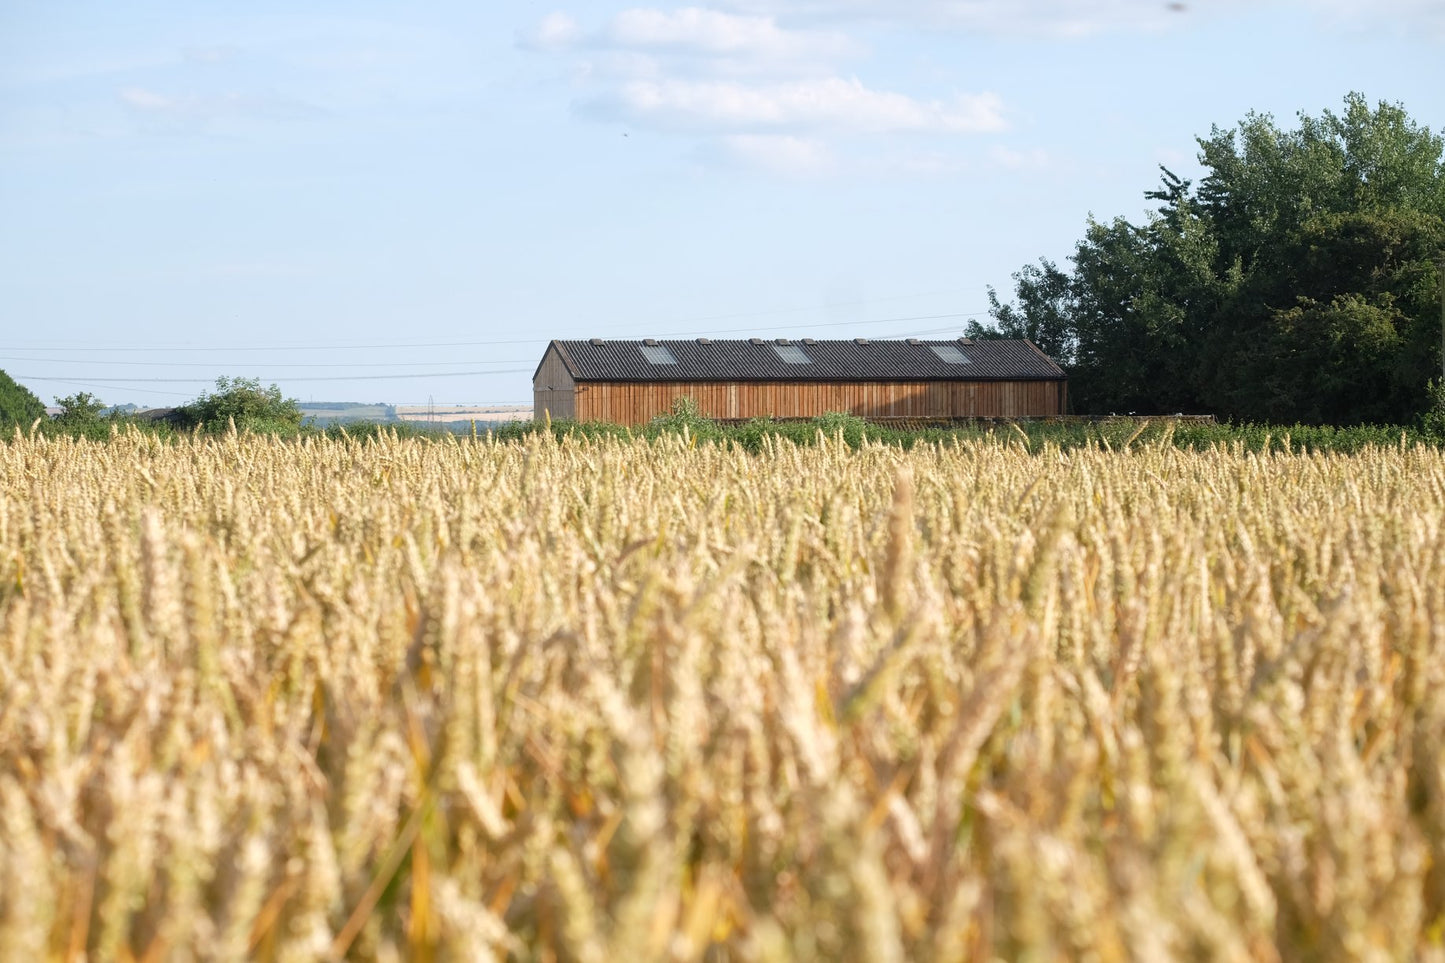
553	389
638	403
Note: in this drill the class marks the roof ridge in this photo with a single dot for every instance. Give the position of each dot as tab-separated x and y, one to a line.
705	340
1039	351
805	360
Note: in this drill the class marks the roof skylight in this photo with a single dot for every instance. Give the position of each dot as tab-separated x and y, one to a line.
657	354
792	354
950	353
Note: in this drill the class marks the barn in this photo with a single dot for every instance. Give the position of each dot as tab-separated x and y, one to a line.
630	382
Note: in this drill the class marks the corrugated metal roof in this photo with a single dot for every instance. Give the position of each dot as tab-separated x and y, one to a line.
856	360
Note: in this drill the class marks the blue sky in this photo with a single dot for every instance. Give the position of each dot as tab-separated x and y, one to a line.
383	201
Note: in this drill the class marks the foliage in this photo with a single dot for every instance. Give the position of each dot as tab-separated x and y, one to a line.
685	418
842	424
761	434
393	430
1432	422
1044	313
611	699
244	403
1296	283
18	405
79	410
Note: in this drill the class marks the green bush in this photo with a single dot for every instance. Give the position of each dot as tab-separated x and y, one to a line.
243	402
382	430
842	423
79	410
18	405
687	417
1432	422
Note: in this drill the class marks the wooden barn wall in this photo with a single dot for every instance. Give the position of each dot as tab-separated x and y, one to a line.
553	389
637	403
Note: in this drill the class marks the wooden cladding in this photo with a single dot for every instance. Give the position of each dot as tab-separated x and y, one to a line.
553	390
634	403
556	393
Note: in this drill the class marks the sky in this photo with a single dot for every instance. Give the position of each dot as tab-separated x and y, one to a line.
404	202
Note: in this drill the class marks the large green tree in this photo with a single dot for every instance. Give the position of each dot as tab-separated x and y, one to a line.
18	404
1297	282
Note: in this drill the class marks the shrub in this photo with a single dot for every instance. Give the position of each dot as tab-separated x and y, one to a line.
18	405
833	423
79	410
1432	422
245	403
687	417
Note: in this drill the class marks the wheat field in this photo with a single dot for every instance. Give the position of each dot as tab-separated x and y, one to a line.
609	700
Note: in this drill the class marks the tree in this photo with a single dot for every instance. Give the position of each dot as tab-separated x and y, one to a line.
1296	283
244	402
79	410
1044	314
18	405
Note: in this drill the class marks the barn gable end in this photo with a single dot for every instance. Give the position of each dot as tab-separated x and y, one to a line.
554	388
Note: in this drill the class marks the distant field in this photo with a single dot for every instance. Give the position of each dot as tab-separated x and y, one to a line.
446	414
592	700
326	414
323	414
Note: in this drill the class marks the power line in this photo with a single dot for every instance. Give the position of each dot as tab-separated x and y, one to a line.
332	346
925	332
837	304
389	377
838	324
273	364
129	384
93	384
449	344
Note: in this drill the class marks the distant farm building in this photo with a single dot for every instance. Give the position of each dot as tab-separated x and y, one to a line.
630	382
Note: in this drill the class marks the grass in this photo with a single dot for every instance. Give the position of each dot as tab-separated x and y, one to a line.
1112	433
1109	433
595	698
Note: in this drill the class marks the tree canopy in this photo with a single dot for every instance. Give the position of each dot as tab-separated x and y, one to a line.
18	404
79	410
1297	282
244	402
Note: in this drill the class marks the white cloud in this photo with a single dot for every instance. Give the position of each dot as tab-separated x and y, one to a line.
752	89
814	26
700	30
1086	18
831	104
618	66
556	31
1058	18
696	41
